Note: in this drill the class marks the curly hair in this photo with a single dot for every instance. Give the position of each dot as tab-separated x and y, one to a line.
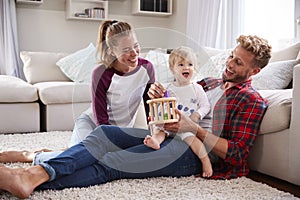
259	47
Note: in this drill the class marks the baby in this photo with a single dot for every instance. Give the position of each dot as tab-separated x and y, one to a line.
191	101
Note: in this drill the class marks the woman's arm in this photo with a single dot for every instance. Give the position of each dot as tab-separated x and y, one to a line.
156	90
100	80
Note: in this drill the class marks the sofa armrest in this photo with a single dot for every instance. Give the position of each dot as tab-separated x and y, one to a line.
294	135
295	125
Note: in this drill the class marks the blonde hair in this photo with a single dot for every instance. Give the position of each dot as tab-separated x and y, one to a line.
259	47
182	53
109	33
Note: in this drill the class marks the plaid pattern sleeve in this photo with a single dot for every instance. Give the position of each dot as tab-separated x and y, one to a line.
237	118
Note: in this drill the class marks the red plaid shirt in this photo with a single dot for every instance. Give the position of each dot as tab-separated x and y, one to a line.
236	117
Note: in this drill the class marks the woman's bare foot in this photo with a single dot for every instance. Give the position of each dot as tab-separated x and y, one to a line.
22	181
151	142
16	156
207	170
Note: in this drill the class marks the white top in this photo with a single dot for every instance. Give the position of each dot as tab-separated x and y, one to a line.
190	98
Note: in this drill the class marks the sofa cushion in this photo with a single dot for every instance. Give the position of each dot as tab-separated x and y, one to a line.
63	92
41	67
79	65
210	62
288	53
14	90
278	114
160	61
214	66
276	75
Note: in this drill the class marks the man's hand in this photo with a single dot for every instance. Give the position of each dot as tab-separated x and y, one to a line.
184	124
156	90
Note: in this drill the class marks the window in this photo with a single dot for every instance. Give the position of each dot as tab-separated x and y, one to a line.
271	19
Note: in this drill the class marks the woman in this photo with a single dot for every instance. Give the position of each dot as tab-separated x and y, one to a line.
118	85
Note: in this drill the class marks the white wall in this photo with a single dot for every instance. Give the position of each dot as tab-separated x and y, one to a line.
45	28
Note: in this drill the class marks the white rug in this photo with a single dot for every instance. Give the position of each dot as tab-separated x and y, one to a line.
152	188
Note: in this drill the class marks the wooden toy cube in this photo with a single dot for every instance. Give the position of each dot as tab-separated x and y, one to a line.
162	110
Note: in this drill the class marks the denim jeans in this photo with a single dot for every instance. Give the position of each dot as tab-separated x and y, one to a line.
110	153
84	125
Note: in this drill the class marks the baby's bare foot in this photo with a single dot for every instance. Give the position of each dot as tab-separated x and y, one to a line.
207	170
151	142
16	156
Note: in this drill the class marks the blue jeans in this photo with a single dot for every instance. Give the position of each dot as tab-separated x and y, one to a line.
84	125
110	153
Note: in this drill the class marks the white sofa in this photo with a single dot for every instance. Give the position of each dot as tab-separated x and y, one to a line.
60	100
19	107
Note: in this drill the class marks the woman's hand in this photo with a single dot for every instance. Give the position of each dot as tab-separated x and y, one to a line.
184	124
156	90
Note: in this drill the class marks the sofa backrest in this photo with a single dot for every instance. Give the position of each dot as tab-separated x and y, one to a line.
41	66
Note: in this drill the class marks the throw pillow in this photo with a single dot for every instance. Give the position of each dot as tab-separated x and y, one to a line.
276	75
79	65
288	53
160	61
41	67
214	67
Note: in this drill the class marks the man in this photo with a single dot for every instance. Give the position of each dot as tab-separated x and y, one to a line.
111	153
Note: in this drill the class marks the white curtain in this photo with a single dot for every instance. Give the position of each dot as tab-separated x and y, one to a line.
214	23
9	54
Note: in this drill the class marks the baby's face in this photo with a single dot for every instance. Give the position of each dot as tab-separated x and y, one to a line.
183	71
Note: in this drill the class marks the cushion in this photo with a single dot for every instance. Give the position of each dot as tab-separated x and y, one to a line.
14	90
288	53
205	66
63	92
276	75
278	114
214	51
214	67
79	65
160	61
204	55
41	67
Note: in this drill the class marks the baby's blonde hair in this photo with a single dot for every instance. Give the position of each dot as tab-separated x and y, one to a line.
182	53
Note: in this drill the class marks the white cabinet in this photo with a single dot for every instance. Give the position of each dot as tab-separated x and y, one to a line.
86	9
152	7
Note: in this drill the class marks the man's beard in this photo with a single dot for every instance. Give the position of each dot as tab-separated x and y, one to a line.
235	79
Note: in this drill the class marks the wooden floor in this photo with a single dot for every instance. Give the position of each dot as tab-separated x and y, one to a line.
276	183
